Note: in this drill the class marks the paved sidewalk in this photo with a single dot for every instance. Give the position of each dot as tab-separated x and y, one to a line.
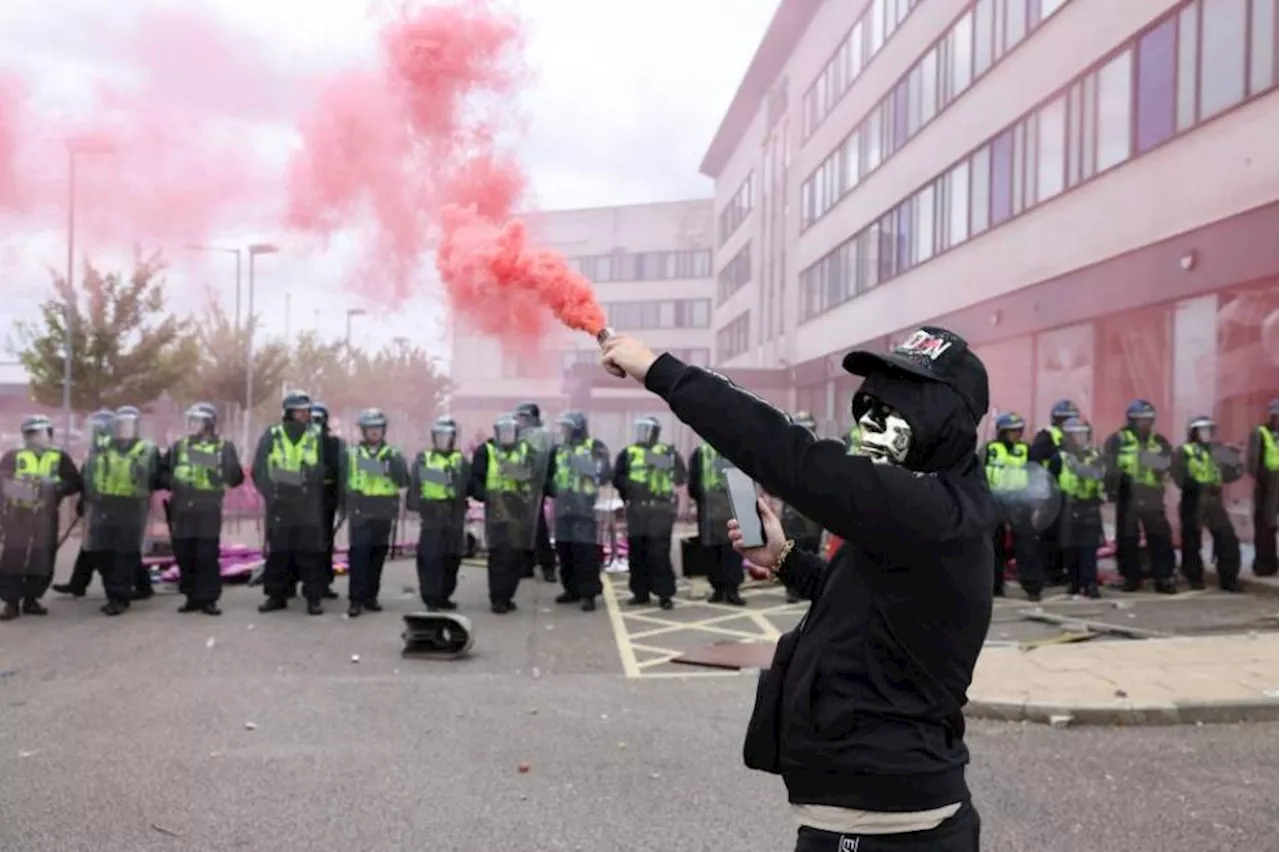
1151	682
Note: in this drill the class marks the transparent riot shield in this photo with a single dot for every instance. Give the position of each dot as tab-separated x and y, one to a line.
29	507
650	512
580	471
1035	506
444	522
714	509
539	444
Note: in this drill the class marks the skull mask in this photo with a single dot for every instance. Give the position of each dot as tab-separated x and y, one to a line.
885	435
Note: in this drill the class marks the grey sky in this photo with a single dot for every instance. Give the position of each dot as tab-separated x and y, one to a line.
626	98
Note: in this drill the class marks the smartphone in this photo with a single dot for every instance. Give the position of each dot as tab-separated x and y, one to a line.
742	494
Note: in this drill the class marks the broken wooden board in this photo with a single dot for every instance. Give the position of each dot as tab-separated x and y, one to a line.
730	655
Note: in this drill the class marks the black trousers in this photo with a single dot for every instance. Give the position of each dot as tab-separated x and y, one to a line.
504	568
1082	566
580	564
370	540
437	567
1022	544
545	553
725	567
649	559
961	833
26	561
329	512
199	568
1265	560
1226	544
1052	557
295	554
1155	524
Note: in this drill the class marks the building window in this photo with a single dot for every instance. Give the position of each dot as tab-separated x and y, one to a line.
696	357
1222	39
1262	46
659	313
984	20
1157	86
734	338
735	275
644	266
737	210
1094	126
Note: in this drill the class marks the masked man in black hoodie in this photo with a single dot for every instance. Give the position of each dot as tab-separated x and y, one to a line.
860	712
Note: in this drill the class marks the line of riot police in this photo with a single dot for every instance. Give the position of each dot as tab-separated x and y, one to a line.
1053	490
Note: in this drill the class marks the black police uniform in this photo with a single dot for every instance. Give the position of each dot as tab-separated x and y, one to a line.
34	483
372	476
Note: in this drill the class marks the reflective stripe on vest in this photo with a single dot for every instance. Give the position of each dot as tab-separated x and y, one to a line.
1269	450
1127	458
1201	466
117	474
439	473
639	471
292	458
498	478
572	462
1078	487
712	470
1007	469
1055	435
33	474
196	462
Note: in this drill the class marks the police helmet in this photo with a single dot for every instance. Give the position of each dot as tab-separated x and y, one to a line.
1063	409
100	419
528	414
124	422
573	425
506	430
37	431
1200	427
372	418
647	430
1010	422
200	417
319	414
444	434
1140	409
296	400
805	419
1078	429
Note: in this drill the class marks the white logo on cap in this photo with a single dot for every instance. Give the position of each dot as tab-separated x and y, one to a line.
923	344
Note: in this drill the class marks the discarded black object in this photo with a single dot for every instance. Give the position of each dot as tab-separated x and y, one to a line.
436	636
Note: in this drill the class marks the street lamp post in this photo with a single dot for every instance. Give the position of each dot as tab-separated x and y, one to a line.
352	312
254	250
237	253
75	147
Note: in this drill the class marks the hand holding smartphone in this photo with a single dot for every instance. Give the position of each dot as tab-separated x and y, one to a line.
746	511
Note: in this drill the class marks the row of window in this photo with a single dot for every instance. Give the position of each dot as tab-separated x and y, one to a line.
644	265
873	28
735	275
736	211
1203	58
571	358
734	337
979	39
659	313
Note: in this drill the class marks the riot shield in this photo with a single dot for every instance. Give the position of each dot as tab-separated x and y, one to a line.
1035	506
1158	462
539	443
714	509
654	514
32	503
578	474
444	521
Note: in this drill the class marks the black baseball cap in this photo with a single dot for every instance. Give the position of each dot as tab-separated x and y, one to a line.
935	354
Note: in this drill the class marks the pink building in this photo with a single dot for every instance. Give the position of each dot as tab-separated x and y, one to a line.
1085	189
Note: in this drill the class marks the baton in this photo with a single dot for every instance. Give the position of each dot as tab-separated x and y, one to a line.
65	535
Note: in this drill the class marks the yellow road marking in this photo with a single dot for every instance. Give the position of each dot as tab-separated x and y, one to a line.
630	666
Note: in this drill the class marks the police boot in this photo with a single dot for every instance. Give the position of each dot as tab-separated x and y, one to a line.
329	595
211	609
314	608
793	596
448	606
354	610
1091	591
31	606
666	603
68	589
717	596
189	606
10	612
273	604
372	605
588	604
1167	587
732	598
114	608
567	598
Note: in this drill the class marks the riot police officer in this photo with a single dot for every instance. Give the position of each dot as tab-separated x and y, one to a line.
1010	481
99	424
806	533
372	475
34	480
508	475
332	449
709	490
289	472
197	470
438	493
1137	461
579	466
118	488
1081	478
1200	468
1262	458
1046	449
647	474
529	418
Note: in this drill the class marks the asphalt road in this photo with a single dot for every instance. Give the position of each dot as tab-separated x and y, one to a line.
131	735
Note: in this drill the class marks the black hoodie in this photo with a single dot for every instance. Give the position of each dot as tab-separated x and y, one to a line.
874	677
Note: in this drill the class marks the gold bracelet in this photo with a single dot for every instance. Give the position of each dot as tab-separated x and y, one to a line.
782	557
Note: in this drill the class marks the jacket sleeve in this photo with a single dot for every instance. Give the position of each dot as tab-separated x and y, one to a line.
550	488
695	474
69	481
1253	453
165	468
621	469
261	475
1042	448
1114	478
843	493
1178	471
399	469
680	476
804	572
156	481
342	473
600	453
479	473
413	496
232	471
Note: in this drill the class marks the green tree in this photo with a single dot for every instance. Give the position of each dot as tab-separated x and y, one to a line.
400	377
218	374
126	348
